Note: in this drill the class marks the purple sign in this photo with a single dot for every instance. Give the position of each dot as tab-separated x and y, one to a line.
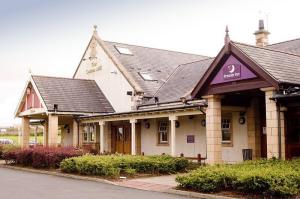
190	139
232	70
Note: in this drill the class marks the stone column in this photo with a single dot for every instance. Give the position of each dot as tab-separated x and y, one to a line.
253	128
272	126
133	136
25	132
52	130
173	120
75	133
80	135
45	134
102	123
213	129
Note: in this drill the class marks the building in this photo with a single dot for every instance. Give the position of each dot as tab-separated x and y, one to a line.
138	100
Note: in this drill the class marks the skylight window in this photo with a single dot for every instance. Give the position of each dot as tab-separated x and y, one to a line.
146	76
123	50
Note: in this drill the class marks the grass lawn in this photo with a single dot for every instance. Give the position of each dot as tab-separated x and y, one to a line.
15	138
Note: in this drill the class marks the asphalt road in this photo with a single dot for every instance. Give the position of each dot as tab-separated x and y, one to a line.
25	185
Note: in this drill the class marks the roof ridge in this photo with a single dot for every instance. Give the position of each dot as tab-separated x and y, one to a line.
184	64
155	48
69	78
279	51
284	41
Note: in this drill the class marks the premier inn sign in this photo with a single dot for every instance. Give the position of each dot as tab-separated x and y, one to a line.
232	70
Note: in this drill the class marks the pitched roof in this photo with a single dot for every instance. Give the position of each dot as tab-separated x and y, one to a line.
182	81
158	63
284	67
291	46
72	95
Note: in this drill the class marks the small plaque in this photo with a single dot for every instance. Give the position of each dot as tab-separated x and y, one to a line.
190	139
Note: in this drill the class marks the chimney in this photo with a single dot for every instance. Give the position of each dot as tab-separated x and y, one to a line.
261	35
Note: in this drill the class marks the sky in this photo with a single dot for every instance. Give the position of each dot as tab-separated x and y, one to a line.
48	37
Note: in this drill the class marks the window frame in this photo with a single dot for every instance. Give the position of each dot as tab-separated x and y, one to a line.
150	79
229	129
89	133
162	131
123	50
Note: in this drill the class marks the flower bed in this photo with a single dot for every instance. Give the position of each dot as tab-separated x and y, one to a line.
39	157
266	177
114	165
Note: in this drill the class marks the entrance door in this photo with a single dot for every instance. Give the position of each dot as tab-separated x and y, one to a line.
293	134
122	136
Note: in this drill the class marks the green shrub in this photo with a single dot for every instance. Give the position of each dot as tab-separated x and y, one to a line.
268	177
114	165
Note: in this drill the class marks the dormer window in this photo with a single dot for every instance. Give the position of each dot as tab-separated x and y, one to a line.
146	76
123	50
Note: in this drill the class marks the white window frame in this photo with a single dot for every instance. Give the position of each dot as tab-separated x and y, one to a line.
89	132
163	127
226	125
123	50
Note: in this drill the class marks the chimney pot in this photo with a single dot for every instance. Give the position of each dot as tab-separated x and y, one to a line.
261	25
261	35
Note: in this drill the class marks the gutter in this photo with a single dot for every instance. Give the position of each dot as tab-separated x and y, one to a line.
144	111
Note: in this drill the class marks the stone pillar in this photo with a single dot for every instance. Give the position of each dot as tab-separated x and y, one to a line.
173	120
75	133
25	132
133	136
102	123
213	129
45	134
80	135
52	130
253	128
272	126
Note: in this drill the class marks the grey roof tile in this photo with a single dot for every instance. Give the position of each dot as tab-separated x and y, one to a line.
159	63
282	66
291	46
183	80
72	95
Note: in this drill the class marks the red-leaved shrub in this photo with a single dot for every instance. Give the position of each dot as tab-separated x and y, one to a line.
40	157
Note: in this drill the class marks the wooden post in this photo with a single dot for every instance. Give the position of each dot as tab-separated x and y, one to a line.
199	158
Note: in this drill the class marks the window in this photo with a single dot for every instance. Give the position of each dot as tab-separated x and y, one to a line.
146	76
85	134
123	50
226	131
89	133
163	136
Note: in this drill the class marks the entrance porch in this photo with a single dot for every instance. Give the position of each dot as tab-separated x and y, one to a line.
58	130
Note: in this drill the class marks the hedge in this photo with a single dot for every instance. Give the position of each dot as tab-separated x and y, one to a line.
39	157
267	177
114	165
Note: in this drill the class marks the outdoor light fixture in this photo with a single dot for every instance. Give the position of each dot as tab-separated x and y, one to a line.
147	125
177	124
203	122
242	120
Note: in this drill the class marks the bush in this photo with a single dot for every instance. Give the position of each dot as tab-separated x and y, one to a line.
114	165
40	157
268	177
6	148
